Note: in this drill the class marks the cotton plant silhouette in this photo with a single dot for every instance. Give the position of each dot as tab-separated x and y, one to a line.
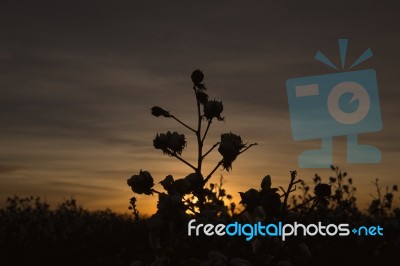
190	194
198	196
194	196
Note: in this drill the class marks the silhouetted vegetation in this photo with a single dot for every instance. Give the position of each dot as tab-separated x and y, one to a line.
196	197
32	233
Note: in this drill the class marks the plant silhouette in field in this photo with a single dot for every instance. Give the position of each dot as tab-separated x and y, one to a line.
193	193
195	196
33	233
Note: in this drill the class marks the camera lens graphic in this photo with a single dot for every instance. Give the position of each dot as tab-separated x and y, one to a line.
359	93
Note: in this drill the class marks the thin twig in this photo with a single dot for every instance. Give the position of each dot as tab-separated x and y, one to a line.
213	147
205	133
248	147
302	204
288	191
184	161
213	171
179	121
155	191
192	210
316	200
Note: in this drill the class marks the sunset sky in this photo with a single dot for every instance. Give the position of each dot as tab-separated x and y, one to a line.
78	79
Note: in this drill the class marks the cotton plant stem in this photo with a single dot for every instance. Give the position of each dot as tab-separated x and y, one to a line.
292	180
212	148
222	161
199	148
182	123
184	161
213	171
155	191
248	147
205	133
198	135
302	204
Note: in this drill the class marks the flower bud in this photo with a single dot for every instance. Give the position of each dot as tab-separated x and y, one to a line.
182	186
197	76
177	142
250	198
161	142
195	181
266	183
271	202
167	182
170	143
229	148
141	183
158	111
213	109
322	190
202	97
163	202
169	204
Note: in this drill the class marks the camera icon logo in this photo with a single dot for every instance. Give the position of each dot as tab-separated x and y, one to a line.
344	103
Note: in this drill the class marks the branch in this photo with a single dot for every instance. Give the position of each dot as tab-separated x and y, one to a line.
205	133
180	122
213	147
192	210
183	160
303	203
155	191
213	171
289	190
248	147
198	134
316	200
221	162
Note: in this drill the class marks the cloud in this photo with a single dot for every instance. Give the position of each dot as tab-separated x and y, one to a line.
5	169
78	186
